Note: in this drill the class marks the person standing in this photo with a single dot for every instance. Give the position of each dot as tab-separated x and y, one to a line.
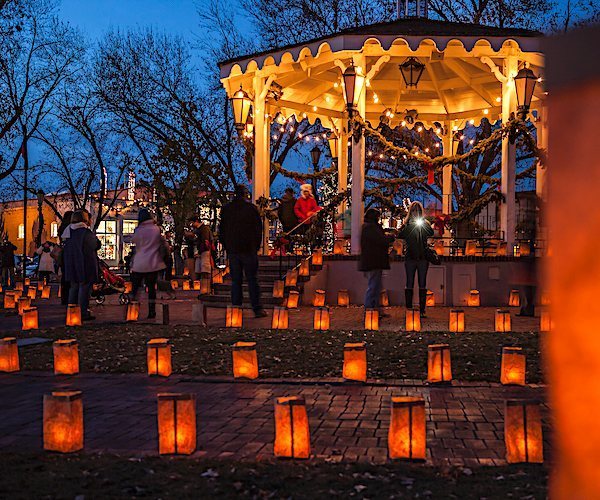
149	259
204	248
80	261
189	249
46	262
64	284
415	231
240	233
305	206
285	210
374	256
7	256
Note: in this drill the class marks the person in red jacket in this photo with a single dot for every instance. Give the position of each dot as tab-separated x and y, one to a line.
306	206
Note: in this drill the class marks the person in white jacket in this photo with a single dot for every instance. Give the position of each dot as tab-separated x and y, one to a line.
46	262
149	258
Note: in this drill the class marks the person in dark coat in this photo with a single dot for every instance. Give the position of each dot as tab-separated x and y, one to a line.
415	231
374	257
80	262
7	256
240	233
64	284
285	211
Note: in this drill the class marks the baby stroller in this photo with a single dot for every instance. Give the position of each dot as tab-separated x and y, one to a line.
108	284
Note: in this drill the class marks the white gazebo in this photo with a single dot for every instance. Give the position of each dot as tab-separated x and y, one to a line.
468	74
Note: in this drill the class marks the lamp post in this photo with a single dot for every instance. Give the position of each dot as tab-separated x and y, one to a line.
524	86
315	155
25	172
40	199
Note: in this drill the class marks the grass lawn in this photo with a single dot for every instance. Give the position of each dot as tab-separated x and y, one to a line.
121	348
108	476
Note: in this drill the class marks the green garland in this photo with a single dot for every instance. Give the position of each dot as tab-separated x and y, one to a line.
298	176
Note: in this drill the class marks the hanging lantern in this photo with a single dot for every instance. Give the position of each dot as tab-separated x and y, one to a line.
9	355
371	319
523	432
23	303
10	301
315	156
30	319
321	319
354	82
406	436
343	298
339	247
512	369
278	289
502	320
439	367
240	102
158	355
174	284
176	424
291	277
32	292
514	300
292	435
66	357
545	321
233	317
280	319
355	362
205	285
317	258
398	247
133	311
73	315
245	360
473	300
63	421
46	292
524	86
319	298
384	298
430	300
456	323
412	70
332	139
438	247
413	319
304	268
186	285
293	299
128	287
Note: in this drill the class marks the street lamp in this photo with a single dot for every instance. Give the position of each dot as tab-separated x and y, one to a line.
412	70
315	154
354	81
241	103
524	86
332	138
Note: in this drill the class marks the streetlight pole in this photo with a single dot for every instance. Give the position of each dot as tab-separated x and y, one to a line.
25	172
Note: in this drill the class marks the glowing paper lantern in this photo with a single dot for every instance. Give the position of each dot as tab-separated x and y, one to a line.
128	287
158	354
29	319
291	277
280	319
186	271
473	300
133	311
245	360
23	303
319	298
278	289
321	319
438	247
205	285
439	367
233	317
317	257
19	286
174	284
73	315
502	320
371	319
545	321
471	248
355	362
10	301
523	432
293	299
430	300
217	278
524	250
501	249
66	357
292	435
32	292
63	421
512	369
304	269
513	299
343	298
46	292
9	355
456	322
406	436
413	320
176	424
339	247
384	298
27	281
398	247
186	285
197	285
545	299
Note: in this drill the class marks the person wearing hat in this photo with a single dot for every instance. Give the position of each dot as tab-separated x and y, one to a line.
149	258
241	233
374	256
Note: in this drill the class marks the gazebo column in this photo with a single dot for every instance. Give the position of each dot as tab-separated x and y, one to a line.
261	169
541	189
447	182
342	164
508	184
358	181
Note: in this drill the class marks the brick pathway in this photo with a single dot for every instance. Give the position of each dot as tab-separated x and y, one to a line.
52	314
235	420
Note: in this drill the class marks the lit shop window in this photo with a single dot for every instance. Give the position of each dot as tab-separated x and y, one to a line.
107	234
